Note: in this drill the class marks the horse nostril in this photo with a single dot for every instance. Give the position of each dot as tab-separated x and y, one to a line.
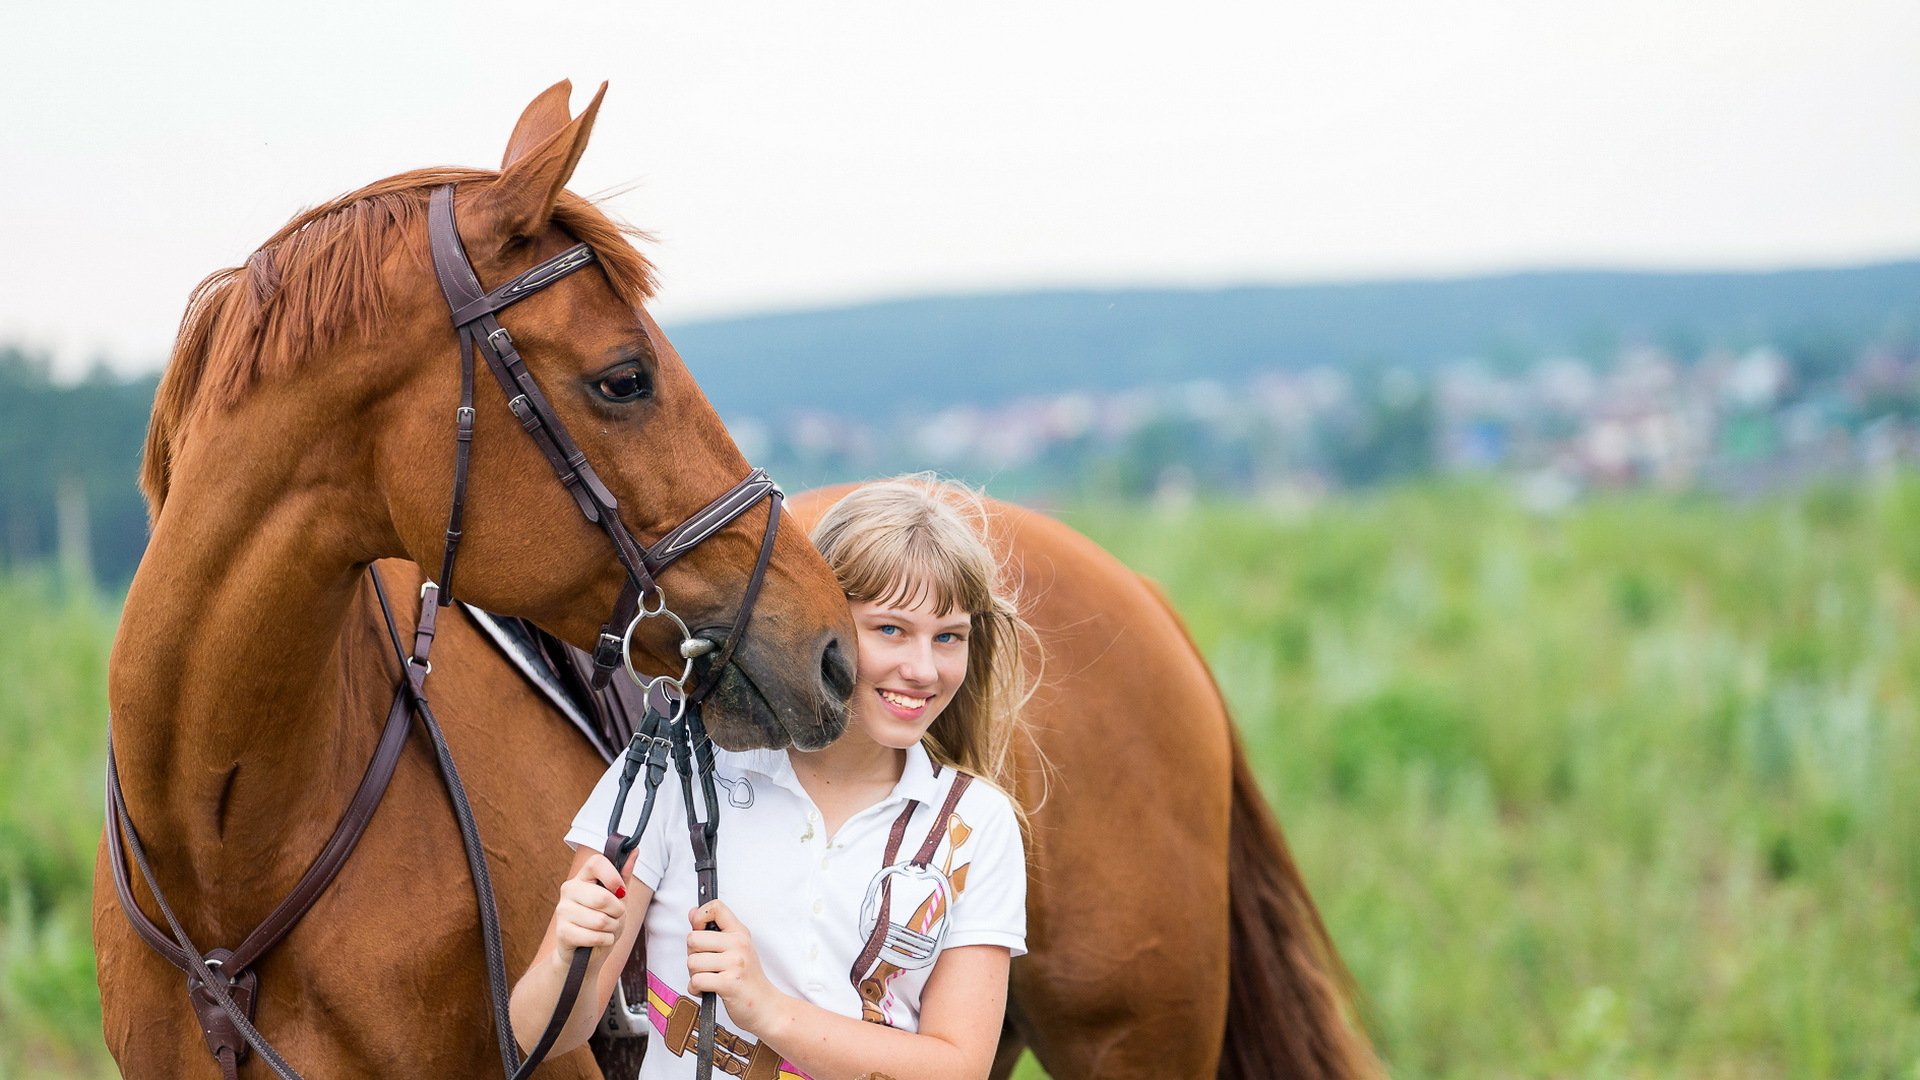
836	671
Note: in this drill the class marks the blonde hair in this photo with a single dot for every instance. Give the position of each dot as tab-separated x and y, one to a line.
917	538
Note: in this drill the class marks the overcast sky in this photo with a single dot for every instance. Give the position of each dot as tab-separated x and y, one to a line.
797	154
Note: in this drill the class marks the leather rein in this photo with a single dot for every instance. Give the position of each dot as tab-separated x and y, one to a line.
221	983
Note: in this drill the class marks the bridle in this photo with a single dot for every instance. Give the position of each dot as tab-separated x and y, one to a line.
221	985
475	318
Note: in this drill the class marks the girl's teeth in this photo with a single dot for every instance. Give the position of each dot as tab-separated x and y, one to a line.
902	700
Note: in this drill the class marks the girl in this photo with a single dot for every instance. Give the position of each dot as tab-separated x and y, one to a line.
884	874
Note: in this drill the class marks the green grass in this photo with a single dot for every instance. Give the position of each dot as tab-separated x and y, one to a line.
1627	792
53	708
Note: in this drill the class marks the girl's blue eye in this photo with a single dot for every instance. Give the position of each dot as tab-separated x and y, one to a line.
948	638
888	629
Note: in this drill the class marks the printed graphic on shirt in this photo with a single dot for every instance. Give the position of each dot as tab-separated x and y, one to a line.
739	789
936	898
676	1015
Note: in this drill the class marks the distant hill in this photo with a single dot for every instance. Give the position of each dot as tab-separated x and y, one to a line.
931	352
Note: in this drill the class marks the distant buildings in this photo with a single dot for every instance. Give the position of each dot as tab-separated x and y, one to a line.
1736	422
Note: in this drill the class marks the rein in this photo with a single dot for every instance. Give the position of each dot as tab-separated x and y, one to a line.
221	984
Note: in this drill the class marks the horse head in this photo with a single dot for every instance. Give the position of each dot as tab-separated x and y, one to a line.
336	331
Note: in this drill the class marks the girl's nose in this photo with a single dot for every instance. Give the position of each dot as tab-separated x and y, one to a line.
917	665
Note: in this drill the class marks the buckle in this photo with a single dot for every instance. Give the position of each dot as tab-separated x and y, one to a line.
499	348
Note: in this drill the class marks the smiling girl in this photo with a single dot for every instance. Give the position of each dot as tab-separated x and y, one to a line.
883	876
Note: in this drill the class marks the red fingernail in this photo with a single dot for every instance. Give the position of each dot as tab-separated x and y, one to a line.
620	892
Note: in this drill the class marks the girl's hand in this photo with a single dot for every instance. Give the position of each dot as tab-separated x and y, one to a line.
591	909
724	962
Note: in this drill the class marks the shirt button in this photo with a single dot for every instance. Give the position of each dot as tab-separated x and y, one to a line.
823	862
813	952
819	906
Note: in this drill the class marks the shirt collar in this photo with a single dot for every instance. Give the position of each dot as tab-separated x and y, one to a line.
917	779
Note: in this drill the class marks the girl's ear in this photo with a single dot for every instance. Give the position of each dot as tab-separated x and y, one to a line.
521	201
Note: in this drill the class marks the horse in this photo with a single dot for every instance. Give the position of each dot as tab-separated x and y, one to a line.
305	429
294	442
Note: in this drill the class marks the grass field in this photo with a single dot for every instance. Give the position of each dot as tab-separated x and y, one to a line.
1625	792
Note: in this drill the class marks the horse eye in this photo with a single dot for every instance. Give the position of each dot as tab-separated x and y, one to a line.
625	384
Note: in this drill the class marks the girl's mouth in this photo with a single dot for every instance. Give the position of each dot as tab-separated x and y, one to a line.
905	706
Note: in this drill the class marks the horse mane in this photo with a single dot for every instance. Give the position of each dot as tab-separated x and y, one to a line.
313	282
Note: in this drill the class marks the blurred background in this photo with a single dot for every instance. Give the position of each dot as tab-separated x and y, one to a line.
1521	402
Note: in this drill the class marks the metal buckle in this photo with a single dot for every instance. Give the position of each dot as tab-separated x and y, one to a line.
498	348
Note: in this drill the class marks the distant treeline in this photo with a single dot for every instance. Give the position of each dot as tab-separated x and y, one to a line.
78	445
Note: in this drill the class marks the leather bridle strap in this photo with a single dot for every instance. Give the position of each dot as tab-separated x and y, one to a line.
216	980
473	314
693	756
738	631
649	750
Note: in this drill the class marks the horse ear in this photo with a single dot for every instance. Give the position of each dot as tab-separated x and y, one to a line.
544	116
521	201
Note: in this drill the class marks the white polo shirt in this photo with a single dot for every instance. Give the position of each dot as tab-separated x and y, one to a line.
800	891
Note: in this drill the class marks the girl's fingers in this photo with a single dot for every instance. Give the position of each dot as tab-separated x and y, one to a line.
718	982
570	936
711	961
703	941
597	868
572	914
717	913
717	961
590	894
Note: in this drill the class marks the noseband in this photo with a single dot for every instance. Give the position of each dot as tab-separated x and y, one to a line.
220	983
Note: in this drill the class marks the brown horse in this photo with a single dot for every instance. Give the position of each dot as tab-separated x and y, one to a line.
301	431
305	429
1171	934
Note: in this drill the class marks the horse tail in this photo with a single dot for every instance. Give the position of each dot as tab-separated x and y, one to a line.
1290	999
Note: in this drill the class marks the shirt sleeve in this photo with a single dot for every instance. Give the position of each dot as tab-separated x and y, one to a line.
589	829
992	908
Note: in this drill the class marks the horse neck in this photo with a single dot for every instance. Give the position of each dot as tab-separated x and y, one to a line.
246	677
